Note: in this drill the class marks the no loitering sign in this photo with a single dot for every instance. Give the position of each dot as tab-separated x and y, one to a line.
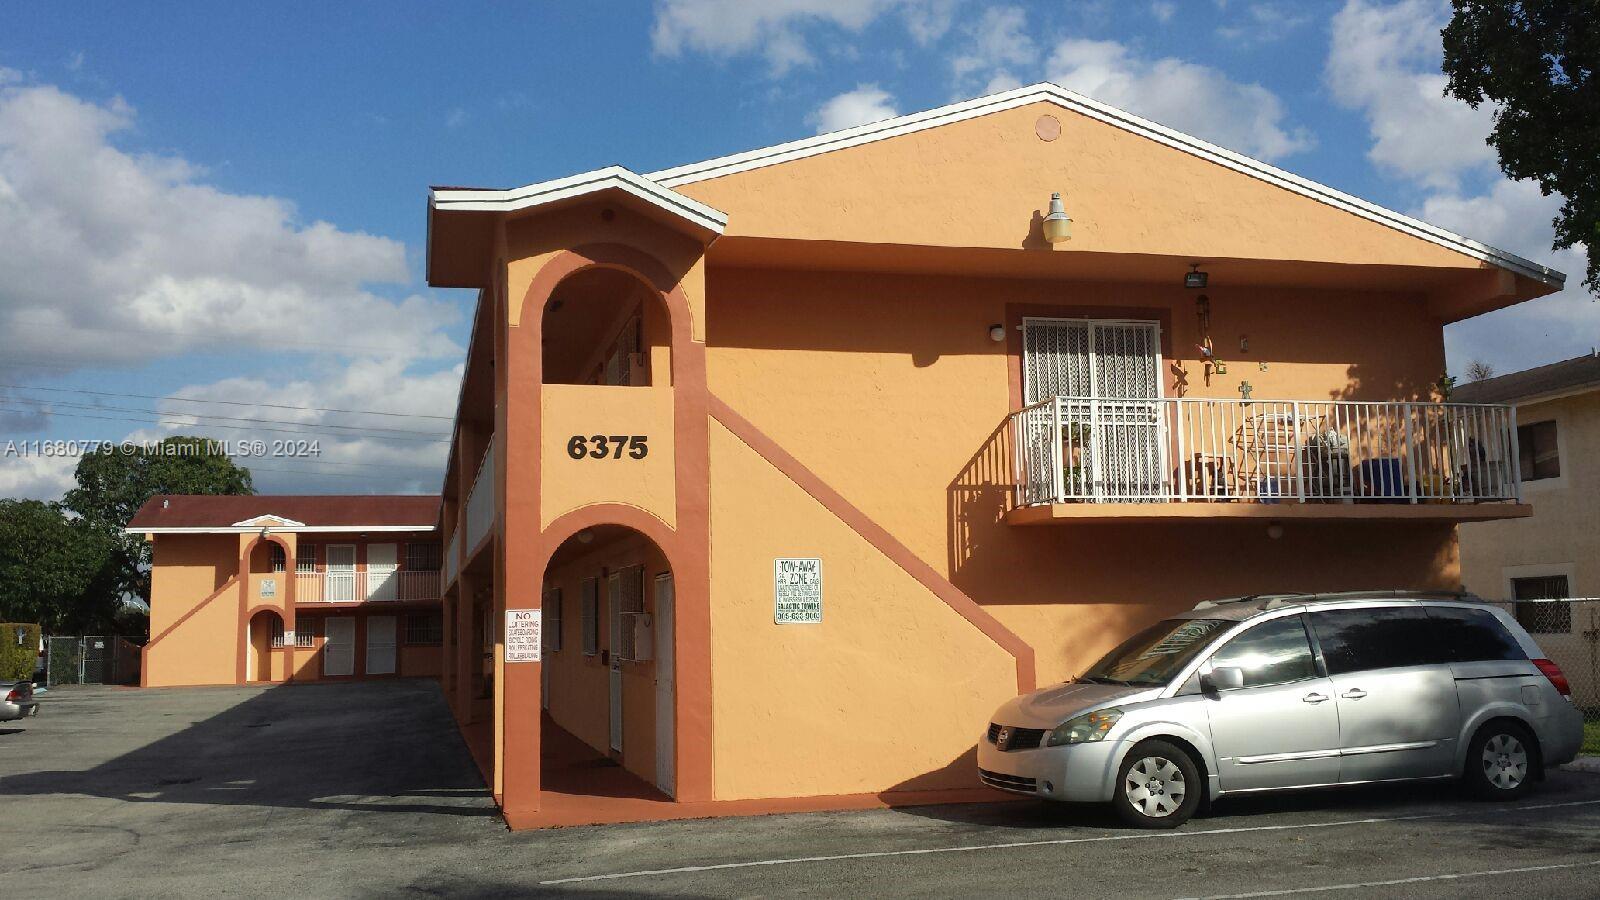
796	590
523	635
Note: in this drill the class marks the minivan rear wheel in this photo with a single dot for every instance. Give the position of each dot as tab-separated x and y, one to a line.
1500	761
1158	786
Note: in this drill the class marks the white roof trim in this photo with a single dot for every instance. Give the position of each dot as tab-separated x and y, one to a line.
609	178
296	528
269	520
1071	100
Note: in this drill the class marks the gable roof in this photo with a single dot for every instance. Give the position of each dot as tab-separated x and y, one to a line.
1565	377
210	514
1110	115
458	199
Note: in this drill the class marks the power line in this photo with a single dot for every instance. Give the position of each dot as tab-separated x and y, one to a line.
364	429
360	412
339	345
379	437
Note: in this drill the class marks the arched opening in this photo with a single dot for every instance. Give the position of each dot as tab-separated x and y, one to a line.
265	640
609	677
605	326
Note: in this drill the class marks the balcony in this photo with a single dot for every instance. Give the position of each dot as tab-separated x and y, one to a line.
1096	457
365	587
480	501
452	553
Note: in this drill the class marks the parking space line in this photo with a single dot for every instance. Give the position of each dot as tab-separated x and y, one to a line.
1419	879
1051	842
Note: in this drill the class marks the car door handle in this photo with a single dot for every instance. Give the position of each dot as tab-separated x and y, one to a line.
1354	694
1315	698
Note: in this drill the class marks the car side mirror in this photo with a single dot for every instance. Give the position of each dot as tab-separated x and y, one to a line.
1222	678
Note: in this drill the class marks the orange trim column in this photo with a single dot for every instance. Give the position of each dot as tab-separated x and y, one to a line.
520	552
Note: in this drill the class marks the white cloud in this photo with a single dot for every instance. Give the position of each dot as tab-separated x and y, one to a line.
1384	61
778	29
33	476
867	103
116	258
1163	10
997	44
1197	99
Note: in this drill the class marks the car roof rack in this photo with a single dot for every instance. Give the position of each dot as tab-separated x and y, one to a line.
1276	601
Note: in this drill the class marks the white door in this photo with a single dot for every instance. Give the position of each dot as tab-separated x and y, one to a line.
339	646
666	685
1113	431
341	574
614	617
382	575
380	645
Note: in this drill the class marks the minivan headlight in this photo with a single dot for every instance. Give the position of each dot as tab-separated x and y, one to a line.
1085	729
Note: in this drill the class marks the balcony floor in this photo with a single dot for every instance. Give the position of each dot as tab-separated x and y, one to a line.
1056	513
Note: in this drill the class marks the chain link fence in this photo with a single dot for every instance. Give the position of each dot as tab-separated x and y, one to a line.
1569	633
92	659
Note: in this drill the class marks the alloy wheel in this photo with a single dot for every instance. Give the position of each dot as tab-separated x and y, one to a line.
1155	786
1505	761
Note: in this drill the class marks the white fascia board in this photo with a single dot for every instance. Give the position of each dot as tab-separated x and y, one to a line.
1071	100
269	520
299	529
609	178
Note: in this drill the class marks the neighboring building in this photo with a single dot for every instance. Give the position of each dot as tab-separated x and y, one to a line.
815	454
277	588
1556	552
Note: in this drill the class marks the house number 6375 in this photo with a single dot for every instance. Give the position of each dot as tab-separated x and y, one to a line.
600	446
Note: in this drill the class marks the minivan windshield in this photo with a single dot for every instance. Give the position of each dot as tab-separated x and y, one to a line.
1154	655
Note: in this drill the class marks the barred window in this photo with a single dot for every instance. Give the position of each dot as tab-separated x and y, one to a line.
277	632
590	614
552	619
1547	617
630	607
424	557
425	629
305	559
276	555
306	634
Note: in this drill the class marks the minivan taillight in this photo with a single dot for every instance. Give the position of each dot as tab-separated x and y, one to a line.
14	696
1553	672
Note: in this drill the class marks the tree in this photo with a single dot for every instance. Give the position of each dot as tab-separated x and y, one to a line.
1478	370
51	567
113	485
1536	61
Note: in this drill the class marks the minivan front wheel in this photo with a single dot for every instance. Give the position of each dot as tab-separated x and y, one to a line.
1158	786
1500	761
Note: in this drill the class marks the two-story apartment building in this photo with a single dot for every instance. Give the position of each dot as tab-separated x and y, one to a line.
291	588
812	455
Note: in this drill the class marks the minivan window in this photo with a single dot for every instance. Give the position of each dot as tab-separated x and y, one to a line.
1473	635
1274	652
1356	640
1154	655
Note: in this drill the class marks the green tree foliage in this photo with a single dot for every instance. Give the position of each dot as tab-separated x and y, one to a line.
112	487
52	568
1536	61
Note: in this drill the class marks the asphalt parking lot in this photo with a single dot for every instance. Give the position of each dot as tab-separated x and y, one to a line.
365	790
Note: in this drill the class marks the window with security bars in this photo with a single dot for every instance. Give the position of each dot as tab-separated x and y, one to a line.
305	559
305	634
424	557
1537	451
630	606
590	615
425	629
277	633
276	556
1543	617
552	619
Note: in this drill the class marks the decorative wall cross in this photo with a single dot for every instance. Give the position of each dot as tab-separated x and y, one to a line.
1245	389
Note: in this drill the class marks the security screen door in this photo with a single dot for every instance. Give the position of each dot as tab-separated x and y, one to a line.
1109	372
340	586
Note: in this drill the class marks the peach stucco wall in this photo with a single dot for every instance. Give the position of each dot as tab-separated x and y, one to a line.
197	639
587	410
890	389
888	692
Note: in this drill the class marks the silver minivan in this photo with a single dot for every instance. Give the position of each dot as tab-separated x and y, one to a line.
1285	691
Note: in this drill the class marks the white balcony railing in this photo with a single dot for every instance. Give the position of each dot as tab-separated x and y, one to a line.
480	501
1101	450
362	587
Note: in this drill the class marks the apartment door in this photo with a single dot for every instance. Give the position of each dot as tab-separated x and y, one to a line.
380	645
382	572
340	577
338	645
614	620
1113	432
666	686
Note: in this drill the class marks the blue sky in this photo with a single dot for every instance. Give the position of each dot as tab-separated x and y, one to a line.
255	176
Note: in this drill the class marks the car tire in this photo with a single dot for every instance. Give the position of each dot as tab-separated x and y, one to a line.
1501	760
1158	786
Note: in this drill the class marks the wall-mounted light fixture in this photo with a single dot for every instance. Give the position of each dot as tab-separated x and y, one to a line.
585	536
1057	227
1194	278
997	333
1275	530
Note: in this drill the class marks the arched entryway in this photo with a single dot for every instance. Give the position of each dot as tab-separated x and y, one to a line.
608	688
265	638
604	325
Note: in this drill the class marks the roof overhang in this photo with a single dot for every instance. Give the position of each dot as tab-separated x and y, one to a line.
288	529
459	217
